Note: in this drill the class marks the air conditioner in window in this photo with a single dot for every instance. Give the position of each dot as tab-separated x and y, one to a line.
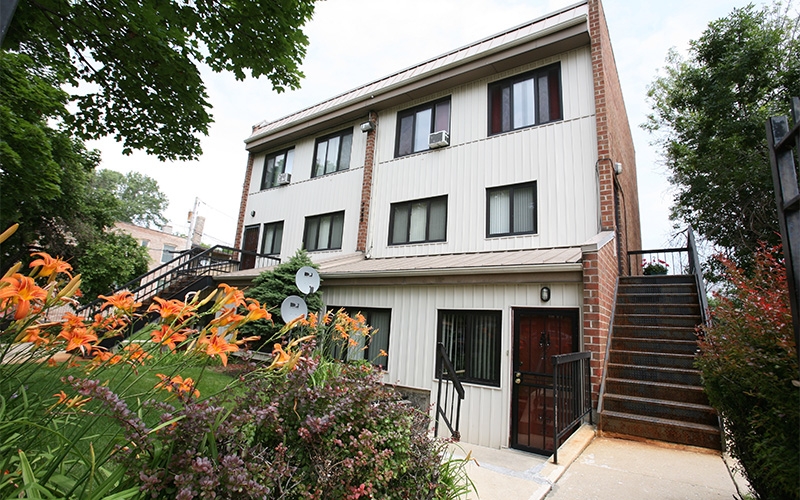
284	178
439	139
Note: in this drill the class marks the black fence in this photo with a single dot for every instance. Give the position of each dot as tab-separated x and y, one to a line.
448	405
572	394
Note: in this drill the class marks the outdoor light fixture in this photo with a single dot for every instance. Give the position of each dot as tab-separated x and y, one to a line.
367	126
253	213
617	168
544	294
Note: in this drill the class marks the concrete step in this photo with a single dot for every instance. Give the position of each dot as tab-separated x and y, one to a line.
660	359
631	297
657	390
663	320
654	345
687	334
678	376
660	429
660	408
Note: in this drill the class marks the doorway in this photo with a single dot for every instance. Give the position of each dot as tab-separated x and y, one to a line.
251	245
539	334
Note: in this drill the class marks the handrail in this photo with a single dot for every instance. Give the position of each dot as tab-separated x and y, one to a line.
572	393
609	338
194	262
445	369
697	272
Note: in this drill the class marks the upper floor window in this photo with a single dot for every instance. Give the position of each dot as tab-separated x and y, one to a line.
276	164
415	125
272	238
168	252
324	232
524	100
511	210
472	342
332	153
374	349
145	243
418	221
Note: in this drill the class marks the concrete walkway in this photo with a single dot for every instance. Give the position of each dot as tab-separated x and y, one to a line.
600	468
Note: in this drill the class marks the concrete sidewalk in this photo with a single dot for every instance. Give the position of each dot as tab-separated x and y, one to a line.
600	468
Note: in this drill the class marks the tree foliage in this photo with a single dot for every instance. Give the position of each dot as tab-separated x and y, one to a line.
110	261
133	65
141	200
709	111
748	360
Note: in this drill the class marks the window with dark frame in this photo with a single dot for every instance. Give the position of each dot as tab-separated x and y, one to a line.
525	100
332	153
418	221
471	340
511	210
272	238
168	252
376	351
276	164
324	232
415	125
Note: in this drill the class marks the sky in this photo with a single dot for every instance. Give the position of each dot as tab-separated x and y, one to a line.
353	42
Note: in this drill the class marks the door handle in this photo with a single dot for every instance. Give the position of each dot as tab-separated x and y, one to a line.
517	377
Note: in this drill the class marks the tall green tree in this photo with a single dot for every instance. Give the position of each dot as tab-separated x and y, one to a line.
141	200
709	111
133	65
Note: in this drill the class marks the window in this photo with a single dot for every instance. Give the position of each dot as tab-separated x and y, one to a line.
524	100
418	221
332	153
145	243
324	232
472	342
271	241
379	320
416	124
511	210
274	165
168	253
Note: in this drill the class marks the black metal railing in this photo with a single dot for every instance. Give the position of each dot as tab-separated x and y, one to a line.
572	394
184	270
662	261
448	408
697	271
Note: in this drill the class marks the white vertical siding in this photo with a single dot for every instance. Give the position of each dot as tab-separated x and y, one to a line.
559	156
485	413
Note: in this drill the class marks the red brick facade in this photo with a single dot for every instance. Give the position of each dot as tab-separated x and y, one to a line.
366	186
237	243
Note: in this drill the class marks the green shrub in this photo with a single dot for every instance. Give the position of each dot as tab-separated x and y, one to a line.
748	360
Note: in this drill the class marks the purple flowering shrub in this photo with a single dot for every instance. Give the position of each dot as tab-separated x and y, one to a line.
322	430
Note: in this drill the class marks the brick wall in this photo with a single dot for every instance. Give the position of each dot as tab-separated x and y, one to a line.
366	185
619	198
599	282
243	204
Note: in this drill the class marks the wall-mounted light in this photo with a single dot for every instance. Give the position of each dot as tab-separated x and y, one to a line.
253	213
544	293
367	126
617	168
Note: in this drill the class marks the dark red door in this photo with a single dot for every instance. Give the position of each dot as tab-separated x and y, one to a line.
250	244
538	335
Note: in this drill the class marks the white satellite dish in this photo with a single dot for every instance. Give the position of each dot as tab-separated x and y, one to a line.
307	279
292	308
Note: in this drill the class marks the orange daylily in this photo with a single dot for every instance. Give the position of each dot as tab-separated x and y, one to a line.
218	346
78	337
136	354
167	336
20	290
232	296
74	402
170	309
33	335
122	301
228	317
101	356
49	266
256	312
178	383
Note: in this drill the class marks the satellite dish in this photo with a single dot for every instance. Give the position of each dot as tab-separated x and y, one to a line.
292	308
307	279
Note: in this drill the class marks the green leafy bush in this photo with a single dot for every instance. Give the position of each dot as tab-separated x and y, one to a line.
748	359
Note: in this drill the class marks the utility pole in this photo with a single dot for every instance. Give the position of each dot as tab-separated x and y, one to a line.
192	220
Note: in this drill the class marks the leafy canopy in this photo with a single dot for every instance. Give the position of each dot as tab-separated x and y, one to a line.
709	112
133	65
141	200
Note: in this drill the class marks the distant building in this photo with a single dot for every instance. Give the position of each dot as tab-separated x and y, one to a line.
162	246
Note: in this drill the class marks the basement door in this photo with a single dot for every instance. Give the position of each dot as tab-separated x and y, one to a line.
538	335
251	244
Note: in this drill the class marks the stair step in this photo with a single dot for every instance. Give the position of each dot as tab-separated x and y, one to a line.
661	429
664	320
631	297
661	408
685	333
657	390
656	289
664	279
660	359
655	374
654	309
654	345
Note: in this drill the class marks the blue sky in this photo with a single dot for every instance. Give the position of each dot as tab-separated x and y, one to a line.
353	42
